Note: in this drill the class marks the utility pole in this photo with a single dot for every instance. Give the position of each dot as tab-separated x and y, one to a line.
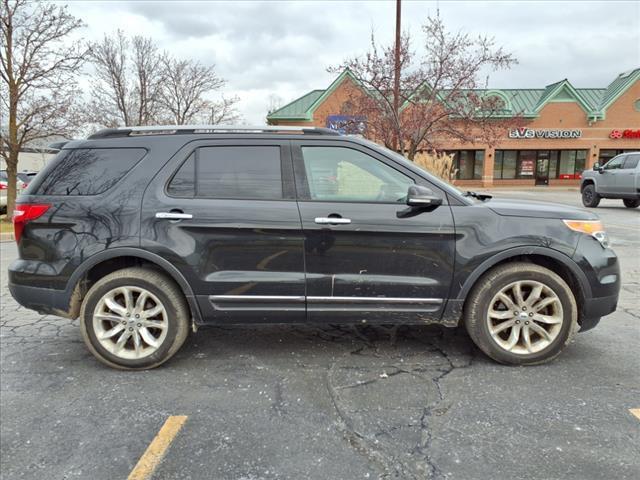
396	79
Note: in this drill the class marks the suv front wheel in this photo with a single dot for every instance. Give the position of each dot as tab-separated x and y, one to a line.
134	319
631	203
521	314
590	197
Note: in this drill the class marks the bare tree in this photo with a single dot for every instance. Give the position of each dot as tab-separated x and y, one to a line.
38	67
135	84
184	93
127	82
224	111
440	91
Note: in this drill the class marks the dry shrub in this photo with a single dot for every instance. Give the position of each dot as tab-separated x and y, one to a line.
439	164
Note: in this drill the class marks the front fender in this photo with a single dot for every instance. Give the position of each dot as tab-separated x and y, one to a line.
563	259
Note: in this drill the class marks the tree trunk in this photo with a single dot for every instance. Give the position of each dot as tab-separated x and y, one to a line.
14	149
411	152
12	170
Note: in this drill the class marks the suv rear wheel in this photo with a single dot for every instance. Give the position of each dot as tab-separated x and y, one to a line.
521	314
590	197
134	319
631	203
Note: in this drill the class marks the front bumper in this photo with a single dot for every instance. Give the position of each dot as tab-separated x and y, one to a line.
602	270
596	308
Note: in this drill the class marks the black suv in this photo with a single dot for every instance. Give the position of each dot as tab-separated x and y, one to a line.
144	232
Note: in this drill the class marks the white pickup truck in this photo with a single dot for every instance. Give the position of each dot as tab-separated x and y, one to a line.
618	178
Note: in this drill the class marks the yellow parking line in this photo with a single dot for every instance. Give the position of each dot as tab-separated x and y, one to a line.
636	412
157	448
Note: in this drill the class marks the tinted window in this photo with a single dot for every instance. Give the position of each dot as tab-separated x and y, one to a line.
631	161
230	172
615	163
183	182
87	171
345	174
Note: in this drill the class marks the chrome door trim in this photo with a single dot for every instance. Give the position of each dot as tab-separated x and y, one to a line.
258	303
257	298
398	300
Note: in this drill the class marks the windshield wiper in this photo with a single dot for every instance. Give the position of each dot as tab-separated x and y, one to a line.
479	196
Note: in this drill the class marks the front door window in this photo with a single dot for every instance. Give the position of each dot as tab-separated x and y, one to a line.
339	174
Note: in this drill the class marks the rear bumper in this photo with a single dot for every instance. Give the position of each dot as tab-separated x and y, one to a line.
42	300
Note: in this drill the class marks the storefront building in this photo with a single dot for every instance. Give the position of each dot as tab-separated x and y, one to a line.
561	131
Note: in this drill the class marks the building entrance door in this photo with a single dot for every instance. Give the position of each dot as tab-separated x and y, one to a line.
542	168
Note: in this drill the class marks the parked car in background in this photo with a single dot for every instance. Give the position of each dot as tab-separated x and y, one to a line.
26	177
146	232
619	178
23	180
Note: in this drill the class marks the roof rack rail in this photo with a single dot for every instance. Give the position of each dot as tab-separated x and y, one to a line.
191	129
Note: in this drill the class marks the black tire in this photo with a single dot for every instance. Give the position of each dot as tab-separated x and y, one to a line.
168	293
630	203
492	282
590	197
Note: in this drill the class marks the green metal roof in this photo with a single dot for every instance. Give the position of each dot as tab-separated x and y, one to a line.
617	88
298	108
522	101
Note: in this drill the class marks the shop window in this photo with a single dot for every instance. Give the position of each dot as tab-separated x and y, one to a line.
469	163
497	164
523	164
553	163
505	164
572	163
527	164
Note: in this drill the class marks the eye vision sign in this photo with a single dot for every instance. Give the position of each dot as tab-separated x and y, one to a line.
531	133
347	123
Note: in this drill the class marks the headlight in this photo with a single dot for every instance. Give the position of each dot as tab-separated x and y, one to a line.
590	227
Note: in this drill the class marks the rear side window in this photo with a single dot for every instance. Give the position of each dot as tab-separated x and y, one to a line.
631	161
87	171
251	172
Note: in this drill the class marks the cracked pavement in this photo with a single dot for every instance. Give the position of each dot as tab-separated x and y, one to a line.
293	402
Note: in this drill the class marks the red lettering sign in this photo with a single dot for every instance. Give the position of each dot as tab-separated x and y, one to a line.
628	133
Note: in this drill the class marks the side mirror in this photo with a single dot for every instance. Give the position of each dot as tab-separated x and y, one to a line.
419	196
597	167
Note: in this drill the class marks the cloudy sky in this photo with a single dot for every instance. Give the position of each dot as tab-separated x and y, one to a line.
282	49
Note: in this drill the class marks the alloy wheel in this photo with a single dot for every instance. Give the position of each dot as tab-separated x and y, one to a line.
130	322
525	317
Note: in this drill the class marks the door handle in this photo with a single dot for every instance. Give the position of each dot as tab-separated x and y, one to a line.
332	221
173	215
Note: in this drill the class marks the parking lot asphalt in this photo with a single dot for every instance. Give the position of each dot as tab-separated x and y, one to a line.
309	402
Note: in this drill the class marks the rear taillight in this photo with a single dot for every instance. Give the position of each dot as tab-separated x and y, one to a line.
3	186
24	213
